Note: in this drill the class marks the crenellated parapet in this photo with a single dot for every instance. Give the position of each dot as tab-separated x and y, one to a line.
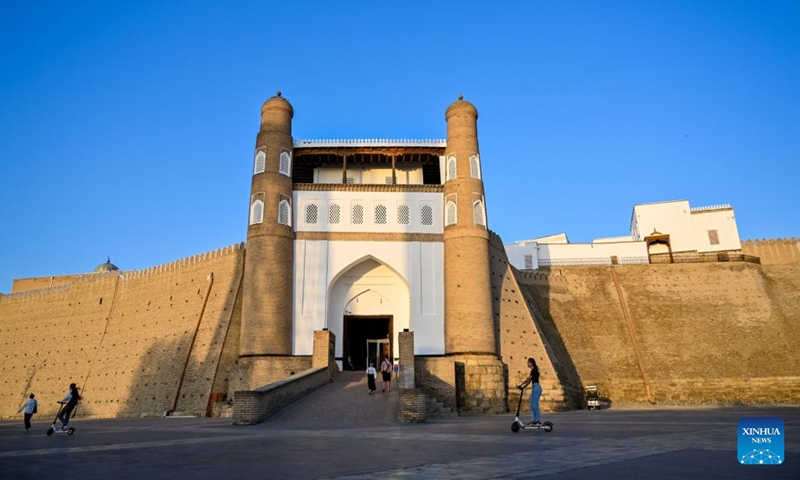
34	295
130	275
541	277
773	251
495	240
104	279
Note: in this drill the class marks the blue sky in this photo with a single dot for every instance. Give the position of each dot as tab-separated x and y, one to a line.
128	128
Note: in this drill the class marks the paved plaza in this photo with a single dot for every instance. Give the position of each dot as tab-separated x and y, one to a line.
341	432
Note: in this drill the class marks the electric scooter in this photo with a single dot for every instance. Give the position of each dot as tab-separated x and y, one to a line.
54	429
546	426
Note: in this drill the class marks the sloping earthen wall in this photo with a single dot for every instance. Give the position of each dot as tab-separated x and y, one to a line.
706	333
519	337
140	343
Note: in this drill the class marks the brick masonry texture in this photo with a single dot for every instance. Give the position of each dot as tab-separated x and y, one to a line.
124	340
711	333
708	333
436	376
519	336
775	251
252	407
412	408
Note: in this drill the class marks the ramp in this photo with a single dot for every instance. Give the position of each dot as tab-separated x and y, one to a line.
343	403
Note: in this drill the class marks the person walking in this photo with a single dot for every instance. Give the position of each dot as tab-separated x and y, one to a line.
71	400
30	407
536	391
386	373
371	377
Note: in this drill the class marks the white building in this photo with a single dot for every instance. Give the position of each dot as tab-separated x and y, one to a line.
657	229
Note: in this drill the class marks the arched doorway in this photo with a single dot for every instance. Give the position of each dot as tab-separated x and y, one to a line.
368	304
659	249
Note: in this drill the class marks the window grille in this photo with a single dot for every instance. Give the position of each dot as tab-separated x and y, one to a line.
380	215
452	214
261	163
334	214
284	213
389	180
257	212
528	262
285	165
426	215
358	214
477	213
350	180
451	168
403	215
474	167
312	212
713	237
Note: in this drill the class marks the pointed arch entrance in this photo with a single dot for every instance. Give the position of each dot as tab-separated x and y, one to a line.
369	302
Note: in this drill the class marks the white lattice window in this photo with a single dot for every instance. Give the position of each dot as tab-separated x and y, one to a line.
380	215
403	215
713	237
451	214
451	167
260	163
389	180
257	212
477	213
357	214
334	214
426	215
285	213
285	164
529	262
474	167
312	214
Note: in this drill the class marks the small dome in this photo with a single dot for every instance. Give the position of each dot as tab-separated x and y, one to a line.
106	267
278	103
461	105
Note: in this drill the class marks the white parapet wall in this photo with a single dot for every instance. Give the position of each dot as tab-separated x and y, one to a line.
532	255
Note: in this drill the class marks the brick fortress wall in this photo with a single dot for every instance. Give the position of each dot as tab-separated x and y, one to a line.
706	333
519	336
140	343
775	251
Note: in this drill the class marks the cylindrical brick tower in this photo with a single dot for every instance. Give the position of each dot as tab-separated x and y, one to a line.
468	314
469	324
266	329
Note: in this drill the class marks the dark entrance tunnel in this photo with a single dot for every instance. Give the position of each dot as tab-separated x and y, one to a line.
357	331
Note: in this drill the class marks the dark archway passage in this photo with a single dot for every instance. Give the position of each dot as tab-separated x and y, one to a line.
359	329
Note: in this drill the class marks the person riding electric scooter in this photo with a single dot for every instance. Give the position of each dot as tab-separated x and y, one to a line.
536	392
68	404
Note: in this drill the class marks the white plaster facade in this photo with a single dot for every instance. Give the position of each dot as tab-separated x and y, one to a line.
689	229
701	230
337	278
401	279
380	212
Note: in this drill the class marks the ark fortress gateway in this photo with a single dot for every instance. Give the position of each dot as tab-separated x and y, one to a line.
367	239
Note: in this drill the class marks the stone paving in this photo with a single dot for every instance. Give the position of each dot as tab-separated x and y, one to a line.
341	432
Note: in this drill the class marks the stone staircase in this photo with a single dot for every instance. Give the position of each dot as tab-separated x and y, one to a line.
436	409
